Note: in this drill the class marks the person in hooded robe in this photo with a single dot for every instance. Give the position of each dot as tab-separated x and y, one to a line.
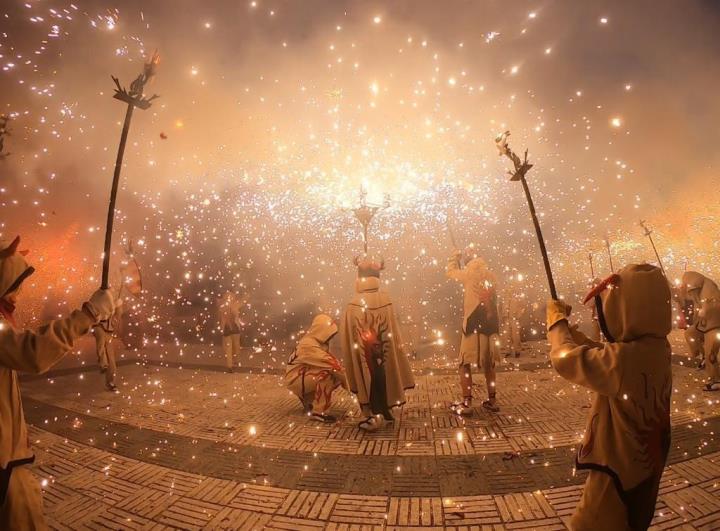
106	333
514	312
480	344
313	373
627	436
377	365
230	324
29	351
705	329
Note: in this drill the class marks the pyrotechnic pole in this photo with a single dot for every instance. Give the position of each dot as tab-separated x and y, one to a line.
365	213
521	168
592	269
134	98
607	246
648	233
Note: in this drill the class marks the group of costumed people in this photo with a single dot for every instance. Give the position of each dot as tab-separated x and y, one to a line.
627	438
376	366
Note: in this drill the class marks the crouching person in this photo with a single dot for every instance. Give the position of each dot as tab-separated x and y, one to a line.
627	437
31	351
313	373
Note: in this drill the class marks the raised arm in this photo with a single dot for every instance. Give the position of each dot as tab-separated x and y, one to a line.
454	270
595	366
35	351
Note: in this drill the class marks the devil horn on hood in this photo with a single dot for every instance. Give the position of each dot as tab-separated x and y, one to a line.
356	260
10	249
613	279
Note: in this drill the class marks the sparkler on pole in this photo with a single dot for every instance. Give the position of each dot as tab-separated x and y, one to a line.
521	168
592	269
134	98
365	213
607	246
648	233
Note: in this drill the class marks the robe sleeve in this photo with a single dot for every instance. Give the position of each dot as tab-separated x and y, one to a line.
598	368
453	270
35	351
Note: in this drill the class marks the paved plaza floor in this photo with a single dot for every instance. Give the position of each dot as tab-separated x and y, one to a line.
188	446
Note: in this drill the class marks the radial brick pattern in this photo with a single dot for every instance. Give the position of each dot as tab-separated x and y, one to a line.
195	448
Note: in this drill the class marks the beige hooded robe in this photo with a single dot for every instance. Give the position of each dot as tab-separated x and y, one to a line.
369	326
480	298
311	358
628	432
706	298
31	352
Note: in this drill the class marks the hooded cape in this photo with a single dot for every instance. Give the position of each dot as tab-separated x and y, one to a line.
311	351
705	296
369	324
628	430
27	351
480	312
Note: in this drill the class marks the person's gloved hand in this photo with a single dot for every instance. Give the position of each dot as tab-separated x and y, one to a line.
100	306
556	312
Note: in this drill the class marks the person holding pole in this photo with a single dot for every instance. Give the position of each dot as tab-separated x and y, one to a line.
29	351
627	437
375	357
480	344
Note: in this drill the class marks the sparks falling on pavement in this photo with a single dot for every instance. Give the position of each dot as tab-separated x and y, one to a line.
278	121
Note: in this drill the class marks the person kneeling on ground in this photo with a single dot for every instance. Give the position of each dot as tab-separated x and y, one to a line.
627	437
30	351
313	373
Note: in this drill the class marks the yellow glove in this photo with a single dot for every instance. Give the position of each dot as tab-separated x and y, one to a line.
557	311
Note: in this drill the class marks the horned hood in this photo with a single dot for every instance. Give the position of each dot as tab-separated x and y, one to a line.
13	267
697	286
638	304
322	328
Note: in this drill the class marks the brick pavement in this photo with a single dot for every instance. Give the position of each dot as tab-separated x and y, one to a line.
195	448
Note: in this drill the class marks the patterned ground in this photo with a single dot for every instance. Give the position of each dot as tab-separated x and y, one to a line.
197	448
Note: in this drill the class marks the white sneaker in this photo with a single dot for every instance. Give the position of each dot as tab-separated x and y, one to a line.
372	423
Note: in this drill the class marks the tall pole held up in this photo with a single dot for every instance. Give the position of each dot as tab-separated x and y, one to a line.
134	98
521	168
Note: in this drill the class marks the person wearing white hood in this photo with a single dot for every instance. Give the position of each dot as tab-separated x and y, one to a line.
30	351
313	373
480	344
627	437
704	334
